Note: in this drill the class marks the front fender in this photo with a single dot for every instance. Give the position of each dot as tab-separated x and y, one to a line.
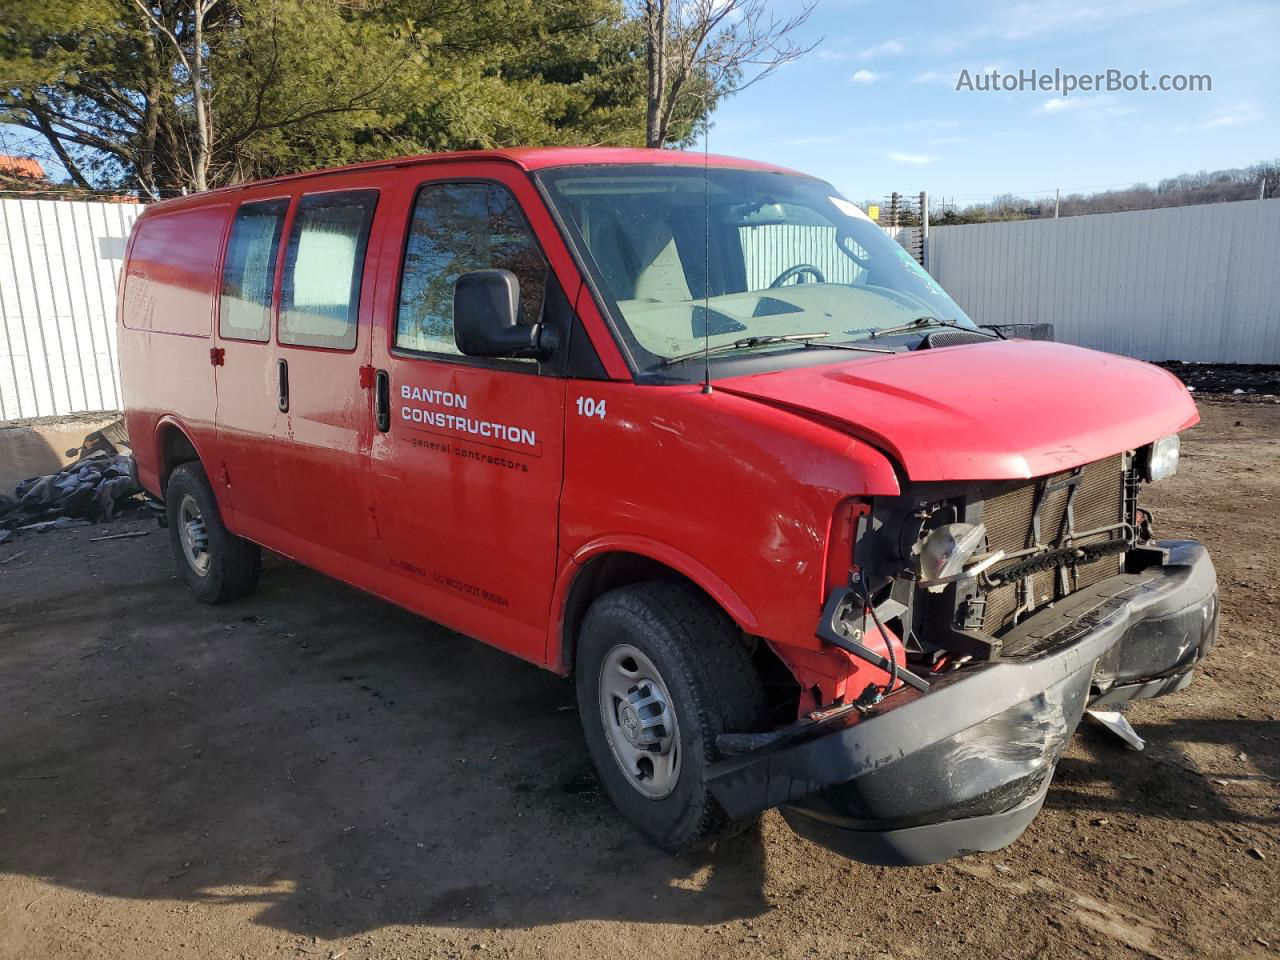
650	548
682	563
734	495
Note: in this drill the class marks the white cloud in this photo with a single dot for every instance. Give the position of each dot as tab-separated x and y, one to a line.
915	159
1234	116
1062	105
865	77
889	47
1098	106
1024	20
948	78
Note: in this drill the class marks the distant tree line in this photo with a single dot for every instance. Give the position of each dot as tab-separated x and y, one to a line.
1219	186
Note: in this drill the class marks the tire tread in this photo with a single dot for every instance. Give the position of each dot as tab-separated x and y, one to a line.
236	562
723	683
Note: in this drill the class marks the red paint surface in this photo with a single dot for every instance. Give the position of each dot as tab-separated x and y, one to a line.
523	158
749	491
988	411
169	275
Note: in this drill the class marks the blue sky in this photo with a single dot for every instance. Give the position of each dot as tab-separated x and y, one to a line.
874	107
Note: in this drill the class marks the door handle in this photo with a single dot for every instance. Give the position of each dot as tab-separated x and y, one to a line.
282	385
382	401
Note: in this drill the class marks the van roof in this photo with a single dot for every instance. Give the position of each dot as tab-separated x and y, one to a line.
527	158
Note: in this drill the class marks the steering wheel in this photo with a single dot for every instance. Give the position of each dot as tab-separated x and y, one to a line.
798	270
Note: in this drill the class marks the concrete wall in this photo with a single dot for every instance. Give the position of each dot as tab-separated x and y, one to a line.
35	448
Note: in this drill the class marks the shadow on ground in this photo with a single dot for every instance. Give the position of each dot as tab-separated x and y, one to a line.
1161	781
338	761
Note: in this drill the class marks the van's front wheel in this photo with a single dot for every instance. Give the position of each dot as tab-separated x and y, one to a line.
217	565
660	673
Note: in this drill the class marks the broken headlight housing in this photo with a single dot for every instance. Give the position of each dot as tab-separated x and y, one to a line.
944	555
1160	459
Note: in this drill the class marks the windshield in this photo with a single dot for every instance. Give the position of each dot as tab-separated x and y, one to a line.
737	254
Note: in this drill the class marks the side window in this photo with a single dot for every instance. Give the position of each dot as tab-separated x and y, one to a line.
249	273
456	228
320	296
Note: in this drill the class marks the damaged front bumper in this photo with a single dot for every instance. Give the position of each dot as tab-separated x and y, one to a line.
965	767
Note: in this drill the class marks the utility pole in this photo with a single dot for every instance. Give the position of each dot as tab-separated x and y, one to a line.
1262	189
1057	200
924	229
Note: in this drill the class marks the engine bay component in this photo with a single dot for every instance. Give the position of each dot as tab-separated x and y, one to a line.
842	625
967	563
944	555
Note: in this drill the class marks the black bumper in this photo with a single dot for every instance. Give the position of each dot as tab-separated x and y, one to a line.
965	767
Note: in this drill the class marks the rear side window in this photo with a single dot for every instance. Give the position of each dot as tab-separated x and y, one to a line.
249	275
320	296
456	228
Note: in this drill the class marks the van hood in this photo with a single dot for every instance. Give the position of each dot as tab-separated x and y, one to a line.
991	411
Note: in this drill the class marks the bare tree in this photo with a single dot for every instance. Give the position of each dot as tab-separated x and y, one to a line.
1267	174
192	58
699	49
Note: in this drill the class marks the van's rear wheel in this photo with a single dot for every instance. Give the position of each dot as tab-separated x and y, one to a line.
217	565
660	673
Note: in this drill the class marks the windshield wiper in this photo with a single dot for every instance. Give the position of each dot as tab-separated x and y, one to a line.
921	322
746	343
850	346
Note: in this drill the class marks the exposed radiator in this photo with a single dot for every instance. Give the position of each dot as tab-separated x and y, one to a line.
1099	502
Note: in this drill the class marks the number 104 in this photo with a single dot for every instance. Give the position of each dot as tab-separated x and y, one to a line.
590	407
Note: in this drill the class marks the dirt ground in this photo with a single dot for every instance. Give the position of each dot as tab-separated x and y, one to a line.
311	772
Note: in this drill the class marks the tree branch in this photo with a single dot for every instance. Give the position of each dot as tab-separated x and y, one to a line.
64	156
166	32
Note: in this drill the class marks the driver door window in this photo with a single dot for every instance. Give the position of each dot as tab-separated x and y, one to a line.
456	228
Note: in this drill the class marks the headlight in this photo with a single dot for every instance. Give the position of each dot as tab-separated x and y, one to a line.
944	556
1160	459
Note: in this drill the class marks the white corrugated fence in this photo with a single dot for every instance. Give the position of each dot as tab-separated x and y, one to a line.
1197	283
1184	283
59	261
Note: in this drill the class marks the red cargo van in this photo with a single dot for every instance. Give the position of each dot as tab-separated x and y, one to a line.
695	431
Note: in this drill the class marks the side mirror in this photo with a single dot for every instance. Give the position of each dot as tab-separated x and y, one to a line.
486	312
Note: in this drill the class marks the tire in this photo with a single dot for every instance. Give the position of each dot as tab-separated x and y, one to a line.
709	685
217	565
